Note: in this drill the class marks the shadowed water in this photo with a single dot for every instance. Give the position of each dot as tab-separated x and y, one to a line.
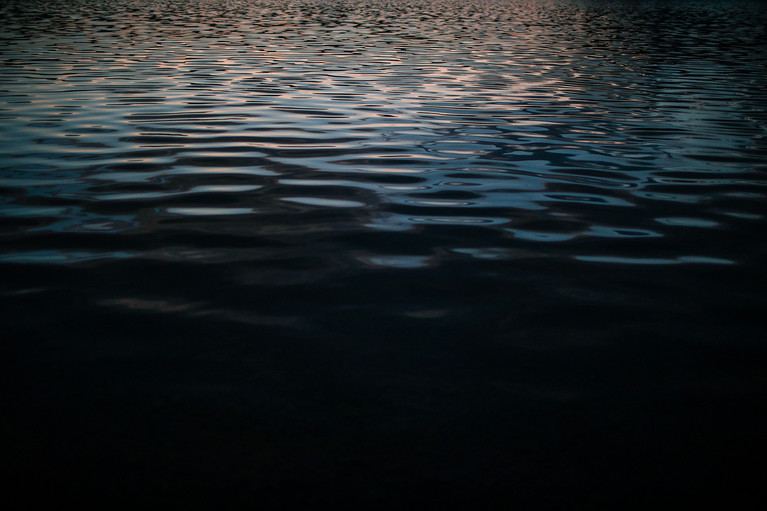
311	250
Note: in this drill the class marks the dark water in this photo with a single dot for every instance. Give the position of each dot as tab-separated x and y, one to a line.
267	253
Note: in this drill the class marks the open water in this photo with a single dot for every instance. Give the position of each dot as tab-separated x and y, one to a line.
417	252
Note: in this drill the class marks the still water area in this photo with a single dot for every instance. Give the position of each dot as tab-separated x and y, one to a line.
261	253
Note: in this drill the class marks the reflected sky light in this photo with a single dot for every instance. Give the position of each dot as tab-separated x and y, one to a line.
539	109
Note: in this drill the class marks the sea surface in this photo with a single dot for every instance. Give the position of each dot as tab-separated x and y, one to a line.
500	254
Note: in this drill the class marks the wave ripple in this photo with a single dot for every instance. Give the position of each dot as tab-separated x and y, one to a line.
565	130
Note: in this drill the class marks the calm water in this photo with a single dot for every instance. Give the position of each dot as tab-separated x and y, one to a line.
273	251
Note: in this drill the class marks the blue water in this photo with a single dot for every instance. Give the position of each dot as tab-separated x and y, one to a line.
272	252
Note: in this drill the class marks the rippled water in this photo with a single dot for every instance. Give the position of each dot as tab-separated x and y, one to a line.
452	245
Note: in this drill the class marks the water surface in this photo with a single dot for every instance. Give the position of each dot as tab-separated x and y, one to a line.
311	250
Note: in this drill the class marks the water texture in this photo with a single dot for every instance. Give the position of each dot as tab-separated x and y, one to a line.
275	249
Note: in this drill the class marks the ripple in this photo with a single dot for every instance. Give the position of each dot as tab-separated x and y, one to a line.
209	211
59	257
319	201
523	124
653	260
281	251
687	222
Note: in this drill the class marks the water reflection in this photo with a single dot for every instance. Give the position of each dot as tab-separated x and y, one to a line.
535	123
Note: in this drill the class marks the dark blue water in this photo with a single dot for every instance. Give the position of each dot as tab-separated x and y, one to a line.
270	253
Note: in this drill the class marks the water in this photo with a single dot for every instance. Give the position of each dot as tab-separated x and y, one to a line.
267	251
